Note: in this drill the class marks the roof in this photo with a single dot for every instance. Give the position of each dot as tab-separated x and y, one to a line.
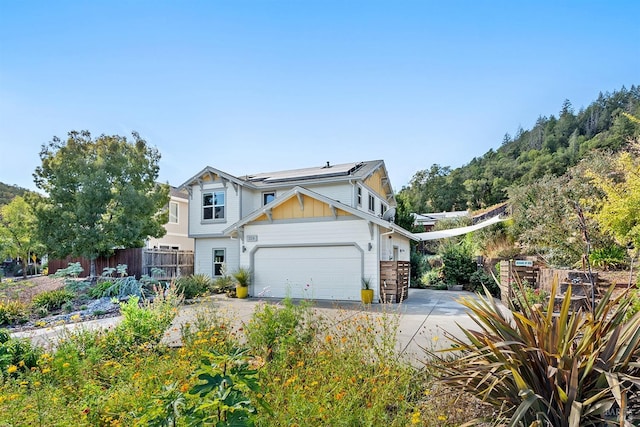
294	192
175	192
431	218
326	172
316	174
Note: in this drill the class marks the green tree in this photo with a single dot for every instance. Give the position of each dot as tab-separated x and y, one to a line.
8	192
18	231
403	217
620	210
102	194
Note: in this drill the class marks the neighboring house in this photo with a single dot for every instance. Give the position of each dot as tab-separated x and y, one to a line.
426	222
177	236
305	233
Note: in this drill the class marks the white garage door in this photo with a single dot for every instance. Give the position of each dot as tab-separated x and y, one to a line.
319	272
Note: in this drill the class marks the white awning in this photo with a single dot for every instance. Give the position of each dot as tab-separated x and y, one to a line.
443	234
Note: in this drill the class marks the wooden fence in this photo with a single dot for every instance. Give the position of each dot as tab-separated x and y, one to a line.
511	271
394	280
167	263
139	261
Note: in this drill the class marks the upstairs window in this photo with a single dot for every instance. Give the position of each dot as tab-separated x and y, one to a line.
383	208
372	203
213	205
359	196
268	198
173	213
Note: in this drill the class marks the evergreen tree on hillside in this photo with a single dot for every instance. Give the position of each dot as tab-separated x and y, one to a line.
9	192
550	148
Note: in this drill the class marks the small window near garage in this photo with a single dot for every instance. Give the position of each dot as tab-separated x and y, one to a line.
359	196
372	203
173	213
268	198
218	262
213	205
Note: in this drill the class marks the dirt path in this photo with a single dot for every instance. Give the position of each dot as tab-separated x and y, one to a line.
24	290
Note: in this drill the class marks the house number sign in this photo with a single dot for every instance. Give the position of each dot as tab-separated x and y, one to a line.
252	237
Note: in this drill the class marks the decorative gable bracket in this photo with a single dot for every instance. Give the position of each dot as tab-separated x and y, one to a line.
300	200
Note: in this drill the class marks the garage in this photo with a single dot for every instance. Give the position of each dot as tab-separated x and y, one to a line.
312	272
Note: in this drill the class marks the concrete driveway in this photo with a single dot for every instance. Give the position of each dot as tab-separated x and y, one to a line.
423	319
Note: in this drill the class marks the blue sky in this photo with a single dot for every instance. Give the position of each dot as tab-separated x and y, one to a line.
257	86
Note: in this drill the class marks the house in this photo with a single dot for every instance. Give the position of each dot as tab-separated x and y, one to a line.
177	236
426	222
306	233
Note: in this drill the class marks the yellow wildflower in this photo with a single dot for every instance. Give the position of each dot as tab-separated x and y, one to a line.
415	417
11	369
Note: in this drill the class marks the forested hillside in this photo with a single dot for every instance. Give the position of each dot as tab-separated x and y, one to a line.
8	192
553	145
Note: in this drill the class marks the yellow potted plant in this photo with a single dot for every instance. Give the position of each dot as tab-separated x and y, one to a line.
243	278
366	293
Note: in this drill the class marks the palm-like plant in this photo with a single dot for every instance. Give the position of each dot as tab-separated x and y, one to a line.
562	370
242	276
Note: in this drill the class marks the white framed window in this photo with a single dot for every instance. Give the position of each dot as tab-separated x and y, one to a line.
213	204
383	208
372	203
166	247
173	213
268	197
218	262
359	196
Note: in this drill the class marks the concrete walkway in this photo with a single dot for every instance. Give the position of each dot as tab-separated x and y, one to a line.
423	319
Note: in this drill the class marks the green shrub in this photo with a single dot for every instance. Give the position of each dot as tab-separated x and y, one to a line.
542	369
634	307
457	263
480	279
223	284
274	331
613	256
13	351
121	288
77	286
52	300
99	290
143	323
194	285
13	311
433	278
242	276
419	266
73	270
225	381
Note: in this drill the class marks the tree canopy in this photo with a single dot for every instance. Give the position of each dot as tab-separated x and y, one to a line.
8	192
18	232
551	147
102	194
620	208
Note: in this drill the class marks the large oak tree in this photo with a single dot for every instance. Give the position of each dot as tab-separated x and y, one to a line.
102	195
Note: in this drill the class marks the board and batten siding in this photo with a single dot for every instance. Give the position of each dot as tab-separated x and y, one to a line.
342	192
203	259
388	242
199	227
